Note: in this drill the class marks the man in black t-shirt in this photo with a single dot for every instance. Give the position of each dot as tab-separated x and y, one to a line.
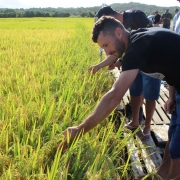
166	19
157	19
134	19
154	51
131	19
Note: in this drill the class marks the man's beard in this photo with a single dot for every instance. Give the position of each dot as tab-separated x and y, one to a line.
119	46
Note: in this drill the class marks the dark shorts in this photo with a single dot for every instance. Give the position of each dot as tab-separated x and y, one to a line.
147	85
174	131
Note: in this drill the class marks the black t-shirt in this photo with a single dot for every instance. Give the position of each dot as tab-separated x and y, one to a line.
155	51
157	19
135	19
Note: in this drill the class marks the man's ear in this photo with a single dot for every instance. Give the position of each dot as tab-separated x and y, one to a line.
118	32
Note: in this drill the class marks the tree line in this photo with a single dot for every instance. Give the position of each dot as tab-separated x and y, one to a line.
45	12
79	12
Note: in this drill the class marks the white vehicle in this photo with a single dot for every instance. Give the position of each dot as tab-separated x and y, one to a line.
151	17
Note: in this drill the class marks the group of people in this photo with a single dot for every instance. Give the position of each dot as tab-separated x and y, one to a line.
139	91
165	19
147	55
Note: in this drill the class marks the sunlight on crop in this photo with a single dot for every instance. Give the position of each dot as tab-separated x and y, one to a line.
44	88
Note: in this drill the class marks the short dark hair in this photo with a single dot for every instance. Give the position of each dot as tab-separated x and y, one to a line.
106	25
107	11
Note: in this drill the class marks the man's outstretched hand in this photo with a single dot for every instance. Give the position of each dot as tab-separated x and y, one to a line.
70	135
93	69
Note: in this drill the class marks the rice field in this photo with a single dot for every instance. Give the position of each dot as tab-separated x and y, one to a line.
44	88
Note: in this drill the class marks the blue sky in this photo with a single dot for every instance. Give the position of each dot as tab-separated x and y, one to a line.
77	3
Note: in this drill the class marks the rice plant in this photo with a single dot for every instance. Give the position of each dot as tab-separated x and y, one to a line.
44	88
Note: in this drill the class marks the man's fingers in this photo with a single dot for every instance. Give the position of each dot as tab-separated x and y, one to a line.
70	134
169	108
67	136
173	109
165	107
62	146
90	69
67	132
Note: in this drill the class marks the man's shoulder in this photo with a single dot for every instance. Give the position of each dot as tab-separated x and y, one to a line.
137	17
137	34
157	16
170	14
149	33
134	13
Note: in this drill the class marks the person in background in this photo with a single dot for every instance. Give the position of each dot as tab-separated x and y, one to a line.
166	19
95	17
143	50
157	19
143	86
175	18
177	25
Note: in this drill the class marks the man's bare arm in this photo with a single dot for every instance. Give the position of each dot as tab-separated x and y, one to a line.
110	100
106	62
106	105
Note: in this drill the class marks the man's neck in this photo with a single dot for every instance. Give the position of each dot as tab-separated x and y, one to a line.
119	16
126	38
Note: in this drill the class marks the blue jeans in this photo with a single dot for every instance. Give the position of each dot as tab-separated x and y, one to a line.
174	131
147	85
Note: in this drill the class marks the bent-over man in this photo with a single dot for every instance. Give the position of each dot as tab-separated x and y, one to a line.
155	52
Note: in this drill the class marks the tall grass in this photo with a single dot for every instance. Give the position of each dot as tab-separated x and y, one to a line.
44	88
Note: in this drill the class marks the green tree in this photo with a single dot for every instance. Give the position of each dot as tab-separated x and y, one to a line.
83	14
47	14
